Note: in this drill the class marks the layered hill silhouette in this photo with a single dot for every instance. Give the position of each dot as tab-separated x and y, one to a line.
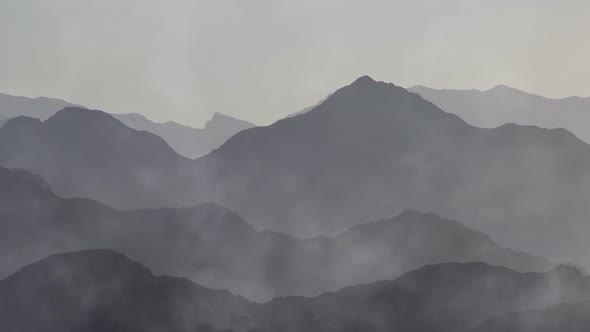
87	153
373	149
368	152
99	290
503	104
40	108
188	141
215	247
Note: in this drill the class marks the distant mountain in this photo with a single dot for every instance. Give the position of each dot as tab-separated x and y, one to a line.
373	149
368	152
188	141
86	153
40	108
502	104
307	109
100	290
215	247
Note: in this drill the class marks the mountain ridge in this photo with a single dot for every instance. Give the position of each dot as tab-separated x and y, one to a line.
214	246
185	140
104	290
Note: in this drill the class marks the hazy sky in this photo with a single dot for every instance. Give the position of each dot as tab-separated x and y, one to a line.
262	59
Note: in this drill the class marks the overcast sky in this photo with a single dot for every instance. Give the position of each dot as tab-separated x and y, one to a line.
262	59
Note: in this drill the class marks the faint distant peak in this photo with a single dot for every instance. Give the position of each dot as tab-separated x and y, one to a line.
134	116
504	88
219	120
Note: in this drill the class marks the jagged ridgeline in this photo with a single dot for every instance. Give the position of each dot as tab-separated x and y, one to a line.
368	152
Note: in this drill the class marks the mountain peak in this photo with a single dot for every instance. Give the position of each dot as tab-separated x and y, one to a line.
78	114
365	79
21	121
221	121
503	88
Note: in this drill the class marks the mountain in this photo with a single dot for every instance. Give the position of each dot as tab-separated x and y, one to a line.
187	141
2	122
216	248
502	104
571	317
368	152
87	153
40	108
373	149
307	109
99	290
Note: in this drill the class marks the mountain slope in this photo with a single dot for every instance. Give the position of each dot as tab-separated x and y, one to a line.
98	290
373	149
368	152
216	248
187	141
85	153
571	317
502	104
40	108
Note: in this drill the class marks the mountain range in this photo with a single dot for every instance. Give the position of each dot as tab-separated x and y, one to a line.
215	247
368	152
373	149
503	104
188	141
40	107
101	290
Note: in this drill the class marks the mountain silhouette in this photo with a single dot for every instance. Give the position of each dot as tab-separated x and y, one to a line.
373	149
99	290
503	104
41	107
368	152
188	141
217	248
87	153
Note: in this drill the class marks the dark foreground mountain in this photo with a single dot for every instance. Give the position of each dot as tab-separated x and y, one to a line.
40	108
502	104
188	141
100	290
215	247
